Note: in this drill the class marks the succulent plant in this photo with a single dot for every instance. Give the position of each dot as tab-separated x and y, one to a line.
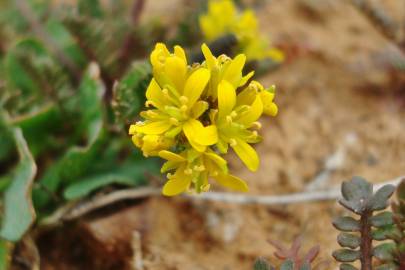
357	235
398	235
291	257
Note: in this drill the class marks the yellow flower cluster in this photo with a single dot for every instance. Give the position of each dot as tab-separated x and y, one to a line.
195	113
223	18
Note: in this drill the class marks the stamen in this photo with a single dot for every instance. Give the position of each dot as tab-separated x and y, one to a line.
256	125
174	121
183	100
233	114
229	119
188	171
233	142
148	103
183	108
200	168
205	187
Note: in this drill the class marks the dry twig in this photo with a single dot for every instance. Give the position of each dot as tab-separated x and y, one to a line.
75	210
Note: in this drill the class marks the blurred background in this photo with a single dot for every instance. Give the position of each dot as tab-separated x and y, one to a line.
73	74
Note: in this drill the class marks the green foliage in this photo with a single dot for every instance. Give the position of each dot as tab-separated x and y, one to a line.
18	212
358	197
57	67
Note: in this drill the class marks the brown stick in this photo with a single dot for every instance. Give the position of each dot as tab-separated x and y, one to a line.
366	247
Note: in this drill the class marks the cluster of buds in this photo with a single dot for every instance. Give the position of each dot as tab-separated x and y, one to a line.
195	113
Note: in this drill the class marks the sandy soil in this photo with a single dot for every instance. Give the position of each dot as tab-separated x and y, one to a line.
334	92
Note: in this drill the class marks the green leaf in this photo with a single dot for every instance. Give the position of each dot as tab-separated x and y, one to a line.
74	163
382	219
287	265
356	189
91	8
380	199
346	224
19	213
346	255
384	251
65	41
386	232
346	266
37	127
348	240
129	93
387	267
262	264
86	185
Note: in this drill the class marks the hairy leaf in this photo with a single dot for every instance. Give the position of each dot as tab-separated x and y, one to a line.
348	240
346	255
346	224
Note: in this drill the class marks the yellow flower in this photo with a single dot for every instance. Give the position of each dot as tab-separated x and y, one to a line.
224	68
194	168
176	101
234	118
195	113
222	18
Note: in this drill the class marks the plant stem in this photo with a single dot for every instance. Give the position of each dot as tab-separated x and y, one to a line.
366	247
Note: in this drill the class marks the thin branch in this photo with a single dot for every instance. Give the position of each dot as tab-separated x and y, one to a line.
37	28
383	22
74	210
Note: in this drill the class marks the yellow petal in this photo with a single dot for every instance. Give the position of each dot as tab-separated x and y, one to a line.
247	154
197	133
218	161
232	182
246	78
226	99
176	69
160	50
179	52
199	108
132	129
195	85
269	107
171	156
154	94
168	166
233	73
253	113
154	128
176	185
209	58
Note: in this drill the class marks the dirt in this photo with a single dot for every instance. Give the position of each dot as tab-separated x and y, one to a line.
335	90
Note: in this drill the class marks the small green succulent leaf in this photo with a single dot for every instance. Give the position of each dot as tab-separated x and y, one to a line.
262	264
384	251
380	199
348	240
357	189
19	213
389	266
287	265
346	224
346	266
346	255
382	219
386	232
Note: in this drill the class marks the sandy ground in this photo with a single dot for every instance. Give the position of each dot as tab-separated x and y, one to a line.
335	94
